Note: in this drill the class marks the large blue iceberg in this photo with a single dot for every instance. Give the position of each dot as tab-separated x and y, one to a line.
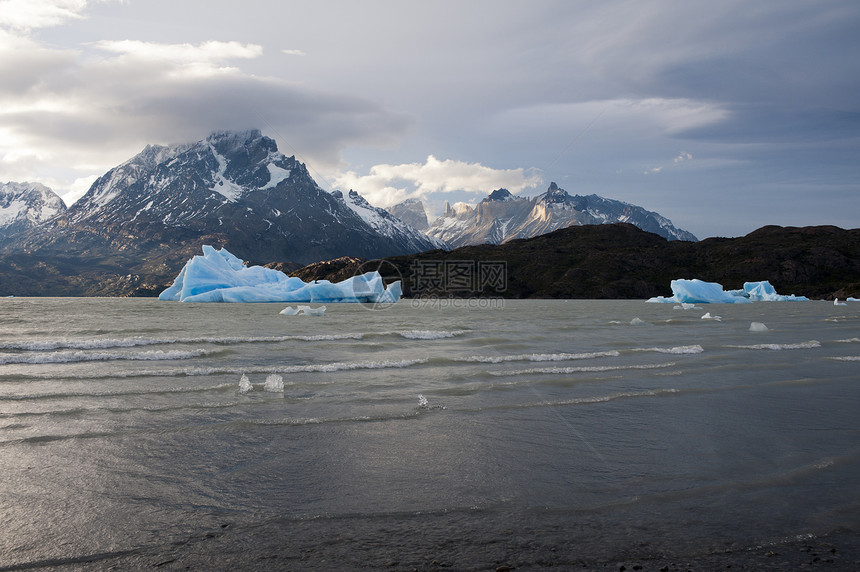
218	276
699	292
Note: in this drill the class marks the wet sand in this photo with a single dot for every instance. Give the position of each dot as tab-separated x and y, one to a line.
269	548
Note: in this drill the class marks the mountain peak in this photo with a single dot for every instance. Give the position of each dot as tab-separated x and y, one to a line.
25	205
499	195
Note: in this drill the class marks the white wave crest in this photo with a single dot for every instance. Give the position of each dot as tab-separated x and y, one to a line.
539	357
107	343
847	358
344	366
580	369
429	334
694	349
849	341
776	347
82	356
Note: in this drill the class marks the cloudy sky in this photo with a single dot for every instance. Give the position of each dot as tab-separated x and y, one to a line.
723	116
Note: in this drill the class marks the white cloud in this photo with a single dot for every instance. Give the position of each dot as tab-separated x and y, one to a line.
293	52
386	185
25	15
205	52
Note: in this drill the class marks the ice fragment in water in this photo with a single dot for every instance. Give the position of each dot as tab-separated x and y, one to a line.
758	327
708	316
274	382
422	402
636	322
303	311
764	292
245	384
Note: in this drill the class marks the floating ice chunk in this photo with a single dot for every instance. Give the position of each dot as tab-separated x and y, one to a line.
689	292
764	292
836	302
218	276
245	384
636	322
303	311
422	402
708	316
684	306
849	299
274	382
757	327
697	291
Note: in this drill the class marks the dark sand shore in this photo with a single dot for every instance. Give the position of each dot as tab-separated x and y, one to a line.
267	549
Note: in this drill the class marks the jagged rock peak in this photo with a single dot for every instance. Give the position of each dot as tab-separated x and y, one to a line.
412	212
499	195
555	194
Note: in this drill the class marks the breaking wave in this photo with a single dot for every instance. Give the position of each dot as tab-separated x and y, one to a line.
539	357
81	356
107	343
238	370
777	347
429	334
693	349
580	369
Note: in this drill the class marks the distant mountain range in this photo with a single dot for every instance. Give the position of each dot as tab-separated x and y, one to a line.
502	217
141	221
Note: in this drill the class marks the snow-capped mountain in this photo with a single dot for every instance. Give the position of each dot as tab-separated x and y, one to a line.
233	190
502	217
25	205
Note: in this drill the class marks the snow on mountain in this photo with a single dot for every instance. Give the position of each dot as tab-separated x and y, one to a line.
232	189
502	216
25	205
387	224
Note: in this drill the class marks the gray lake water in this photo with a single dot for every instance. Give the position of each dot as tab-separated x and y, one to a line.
465	434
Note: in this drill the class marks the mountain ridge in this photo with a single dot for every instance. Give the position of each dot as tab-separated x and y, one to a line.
502	216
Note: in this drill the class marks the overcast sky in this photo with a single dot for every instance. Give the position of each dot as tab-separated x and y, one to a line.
723	116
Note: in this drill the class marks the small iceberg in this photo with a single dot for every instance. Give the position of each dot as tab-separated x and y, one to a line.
274	383
708	316
303	311
758	327
836	302
245	384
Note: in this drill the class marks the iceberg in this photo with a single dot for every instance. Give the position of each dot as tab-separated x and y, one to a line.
764	292
687	292
219	276
697	291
